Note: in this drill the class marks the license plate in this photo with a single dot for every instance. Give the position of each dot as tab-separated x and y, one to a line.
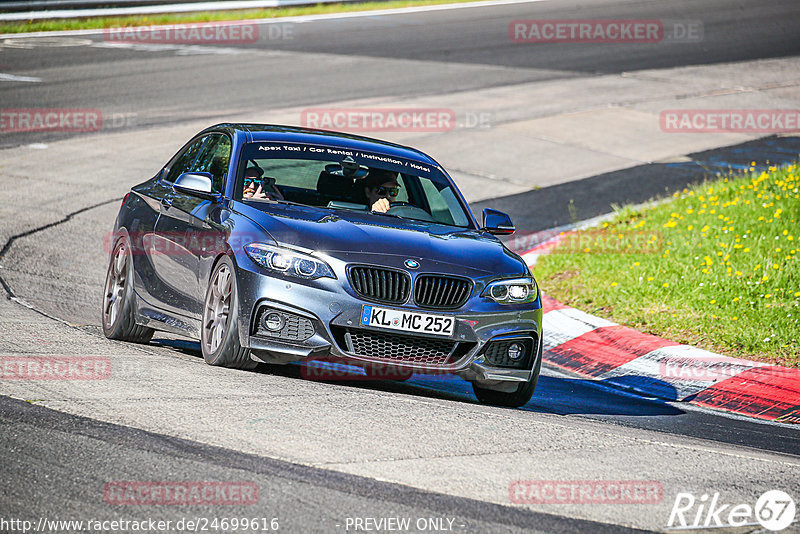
407	321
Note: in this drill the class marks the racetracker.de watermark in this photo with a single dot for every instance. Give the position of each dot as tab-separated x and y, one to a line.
148	493
50	120
180	243
326	370
715	369
585	492
730	120
55	367
201	33
602	241
630	31
380	119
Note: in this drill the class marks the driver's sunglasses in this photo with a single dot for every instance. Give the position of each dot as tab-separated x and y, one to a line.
248	181
390	191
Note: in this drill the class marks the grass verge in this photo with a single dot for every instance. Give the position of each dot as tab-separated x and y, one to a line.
87	23
716	267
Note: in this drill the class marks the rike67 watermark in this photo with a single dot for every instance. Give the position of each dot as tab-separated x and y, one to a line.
774	510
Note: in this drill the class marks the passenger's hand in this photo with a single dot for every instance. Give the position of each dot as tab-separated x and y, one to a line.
255	194
381	205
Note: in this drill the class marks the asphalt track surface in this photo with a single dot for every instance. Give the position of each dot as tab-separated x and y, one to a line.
437	52
55	461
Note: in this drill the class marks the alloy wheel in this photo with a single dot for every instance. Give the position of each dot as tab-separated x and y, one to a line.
217	309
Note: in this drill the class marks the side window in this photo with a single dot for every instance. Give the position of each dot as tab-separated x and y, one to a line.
214	158
402	195
443	203
183	163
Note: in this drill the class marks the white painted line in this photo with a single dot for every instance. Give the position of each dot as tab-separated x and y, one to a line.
179	49
560	326
187	7
301	18
14	78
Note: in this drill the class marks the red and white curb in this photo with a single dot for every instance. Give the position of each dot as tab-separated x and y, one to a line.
599	349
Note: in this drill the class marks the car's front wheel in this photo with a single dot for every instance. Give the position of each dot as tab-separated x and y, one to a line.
511	399
219	337
118	306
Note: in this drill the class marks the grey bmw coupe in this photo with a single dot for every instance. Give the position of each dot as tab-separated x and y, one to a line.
278	244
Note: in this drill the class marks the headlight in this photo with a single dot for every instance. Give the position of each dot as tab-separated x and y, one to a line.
288	261
513	291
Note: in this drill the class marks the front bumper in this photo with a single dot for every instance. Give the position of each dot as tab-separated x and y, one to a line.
334	314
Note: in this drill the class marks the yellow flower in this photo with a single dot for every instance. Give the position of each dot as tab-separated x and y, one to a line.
666	284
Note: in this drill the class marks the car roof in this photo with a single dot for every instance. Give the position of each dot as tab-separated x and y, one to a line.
295	134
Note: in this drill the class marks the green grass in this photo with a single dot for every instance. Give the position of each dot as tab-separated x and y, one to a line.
207	16
716	267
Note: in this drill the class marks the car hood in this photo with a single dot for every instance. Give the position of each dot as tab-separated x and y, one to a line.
357	236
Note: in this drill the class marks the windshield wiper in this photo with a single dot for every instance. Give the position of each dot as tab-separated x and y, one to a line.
391	215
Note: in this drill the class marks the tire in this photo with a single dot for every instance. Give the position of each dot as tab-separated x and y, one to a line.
219	331
117	315
516	398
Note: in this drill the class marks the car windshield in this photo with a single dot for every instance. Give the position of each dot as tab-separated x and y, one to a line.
345	179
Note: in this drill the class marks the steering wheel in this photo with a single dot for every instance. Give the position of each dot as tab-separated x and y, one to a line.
406	209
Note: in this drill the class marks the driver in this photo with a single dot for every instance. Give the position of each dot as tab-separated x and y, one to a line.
379	187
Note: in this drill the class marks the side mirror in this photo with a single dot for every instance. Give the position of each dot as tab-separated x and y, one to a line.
197	184
497	223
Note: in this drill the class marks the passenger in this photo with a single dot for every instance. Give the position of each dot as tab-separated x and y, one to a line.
377	189
252	176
